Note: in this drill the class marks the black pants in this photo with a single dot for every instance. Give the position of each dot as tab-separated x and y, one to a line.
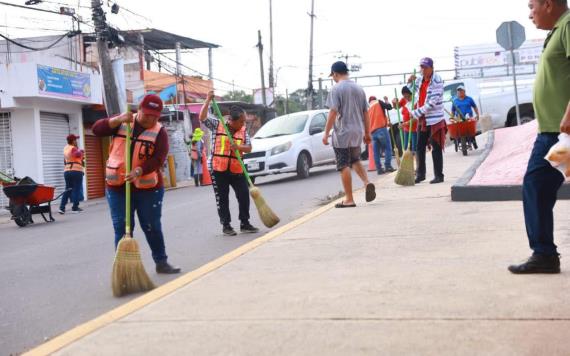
436	154
540	187
221	181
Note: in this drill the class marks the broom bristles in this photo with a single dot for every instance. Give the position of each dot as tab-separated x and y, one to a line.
129	275
406	174
267	216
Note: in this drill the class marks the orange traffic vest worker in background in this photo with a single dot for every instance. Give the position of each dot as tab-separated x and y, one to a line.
73	174
225	168
148	151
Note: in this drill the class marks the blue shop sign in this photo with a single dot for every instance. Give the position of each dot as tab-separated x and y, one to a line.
63	83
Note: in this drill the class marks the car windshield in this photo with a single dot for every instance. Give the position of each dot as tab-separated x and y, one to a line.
282	126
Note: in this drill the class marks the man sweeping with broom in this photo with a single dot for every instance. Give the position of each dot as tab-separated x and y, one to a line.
225	167
148	154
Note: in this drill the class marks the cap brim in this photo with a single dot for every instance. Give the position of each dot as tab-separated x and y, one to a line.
151	112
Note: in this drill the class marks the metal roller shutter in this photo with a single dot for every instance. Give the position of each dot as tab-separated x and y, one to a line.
94	170
54	130
6	163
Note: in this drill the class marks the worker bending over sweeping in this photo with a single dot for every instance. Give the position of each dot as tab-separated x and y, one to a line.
149	151
225	168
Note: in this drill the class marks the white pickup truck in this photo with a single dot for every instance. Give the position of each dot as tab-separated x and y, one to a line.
497	101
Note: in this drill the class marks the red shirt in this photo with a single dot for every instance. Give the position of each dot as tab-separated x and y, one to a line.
154	163
406	117
423	92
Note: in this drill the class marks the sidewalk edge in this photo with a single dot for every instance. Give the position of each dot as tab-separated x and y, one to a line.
80	331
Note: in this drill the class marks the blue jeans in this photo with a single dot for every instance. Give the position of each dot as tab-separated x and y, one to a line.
148	205
414	140
73	181
381	142
540	186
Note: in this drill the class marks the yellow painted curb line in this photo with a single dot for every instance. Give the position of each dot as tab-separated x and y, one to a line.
124	310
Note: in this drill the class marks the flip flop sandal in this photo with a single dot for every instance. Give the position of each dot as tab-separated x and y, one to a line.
370	192
343	205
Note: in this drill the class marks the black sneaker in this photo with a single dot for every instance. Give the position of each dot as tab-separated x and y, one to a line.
420	179
228	230
537	264
166	268
248	228
436	180
380	171
390	169
61	212
77	210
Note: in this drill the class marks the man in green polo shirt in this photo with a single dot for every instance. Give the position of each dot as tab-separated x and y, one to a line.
552	108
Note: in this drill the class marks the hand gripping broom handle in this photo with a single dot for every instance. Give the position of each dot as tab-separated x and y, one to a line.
127	172
238	155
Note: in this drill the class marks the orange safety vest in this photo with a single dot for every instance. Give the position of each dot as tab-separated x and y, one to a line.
143	149
224	159
72	163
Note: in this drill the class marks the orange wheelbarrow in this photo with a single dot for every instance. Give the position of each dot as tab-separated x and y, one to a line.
462	133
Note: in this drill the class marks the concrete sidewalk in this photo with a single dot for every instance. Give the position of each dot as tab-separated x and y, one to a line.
409	274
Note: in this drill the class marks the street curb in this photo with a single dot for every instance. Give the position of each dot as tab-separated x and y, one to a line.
461	191
85	329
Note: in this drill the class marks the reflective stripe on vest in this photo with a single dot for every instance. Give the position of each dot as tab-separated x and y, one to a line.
72	163
224	159
143	148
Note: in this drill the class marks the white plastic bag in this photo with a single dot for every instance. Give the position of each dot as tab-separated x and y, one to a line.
559	154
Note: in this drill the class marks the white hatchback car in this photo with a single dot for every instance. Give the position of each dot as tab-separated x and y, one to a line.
290	143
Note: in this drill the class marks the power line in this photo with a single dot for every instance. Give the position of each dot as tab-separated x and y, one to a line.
68	34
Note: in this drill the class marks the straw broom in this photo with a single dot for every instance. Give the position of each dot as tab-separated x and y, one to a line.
129	275
267	216
406	172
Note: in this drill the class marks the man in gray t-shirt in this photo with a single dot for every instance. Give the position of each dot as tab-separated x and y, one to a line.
349	116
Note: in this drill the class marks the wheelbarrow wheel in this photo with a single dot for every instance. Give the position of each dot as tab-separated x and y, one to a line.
464	145
22	216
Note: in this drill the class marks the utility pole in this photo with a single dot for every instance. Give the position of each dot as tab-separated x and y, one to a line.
260	47
271	79
178	68
321	96
310	87
109	83
210	65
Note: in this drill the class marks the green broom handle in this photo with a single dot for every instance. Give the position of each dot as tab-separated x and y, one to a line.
238	155
413	104
399	117
127	172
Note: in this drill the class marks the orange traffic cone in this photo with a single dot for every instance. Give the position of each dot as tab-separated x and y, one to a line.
206	178
371	165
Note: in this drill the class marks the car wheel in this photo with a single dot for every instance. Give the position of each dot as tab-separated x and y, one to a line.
303	165
525	119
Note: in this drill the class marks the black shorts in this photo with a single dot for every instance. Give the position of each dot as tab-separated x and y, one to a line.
346	157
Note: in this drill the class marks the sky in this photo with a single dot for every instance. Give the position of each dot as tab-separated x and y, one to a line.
384	36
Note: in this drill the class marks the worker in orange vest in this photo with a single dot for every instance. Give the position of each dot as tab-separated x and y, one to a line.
73	174
149	151
225	168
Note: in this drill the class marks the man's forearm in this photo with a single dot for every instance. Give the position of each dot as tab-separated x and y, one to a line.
366	123
330	121
204	110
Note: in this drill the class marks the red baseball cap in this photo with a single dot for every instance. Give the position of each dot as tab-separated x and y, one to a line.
72	137
152	105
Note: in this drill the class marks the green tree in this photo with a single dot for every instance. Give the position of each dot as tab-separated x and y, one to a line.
239	95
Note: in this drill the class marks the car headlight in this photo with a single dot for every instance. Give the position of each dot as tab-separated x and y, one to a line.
281	148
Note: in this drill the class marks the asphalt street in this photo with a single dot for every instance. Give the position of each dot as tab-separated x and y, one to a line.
56	276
